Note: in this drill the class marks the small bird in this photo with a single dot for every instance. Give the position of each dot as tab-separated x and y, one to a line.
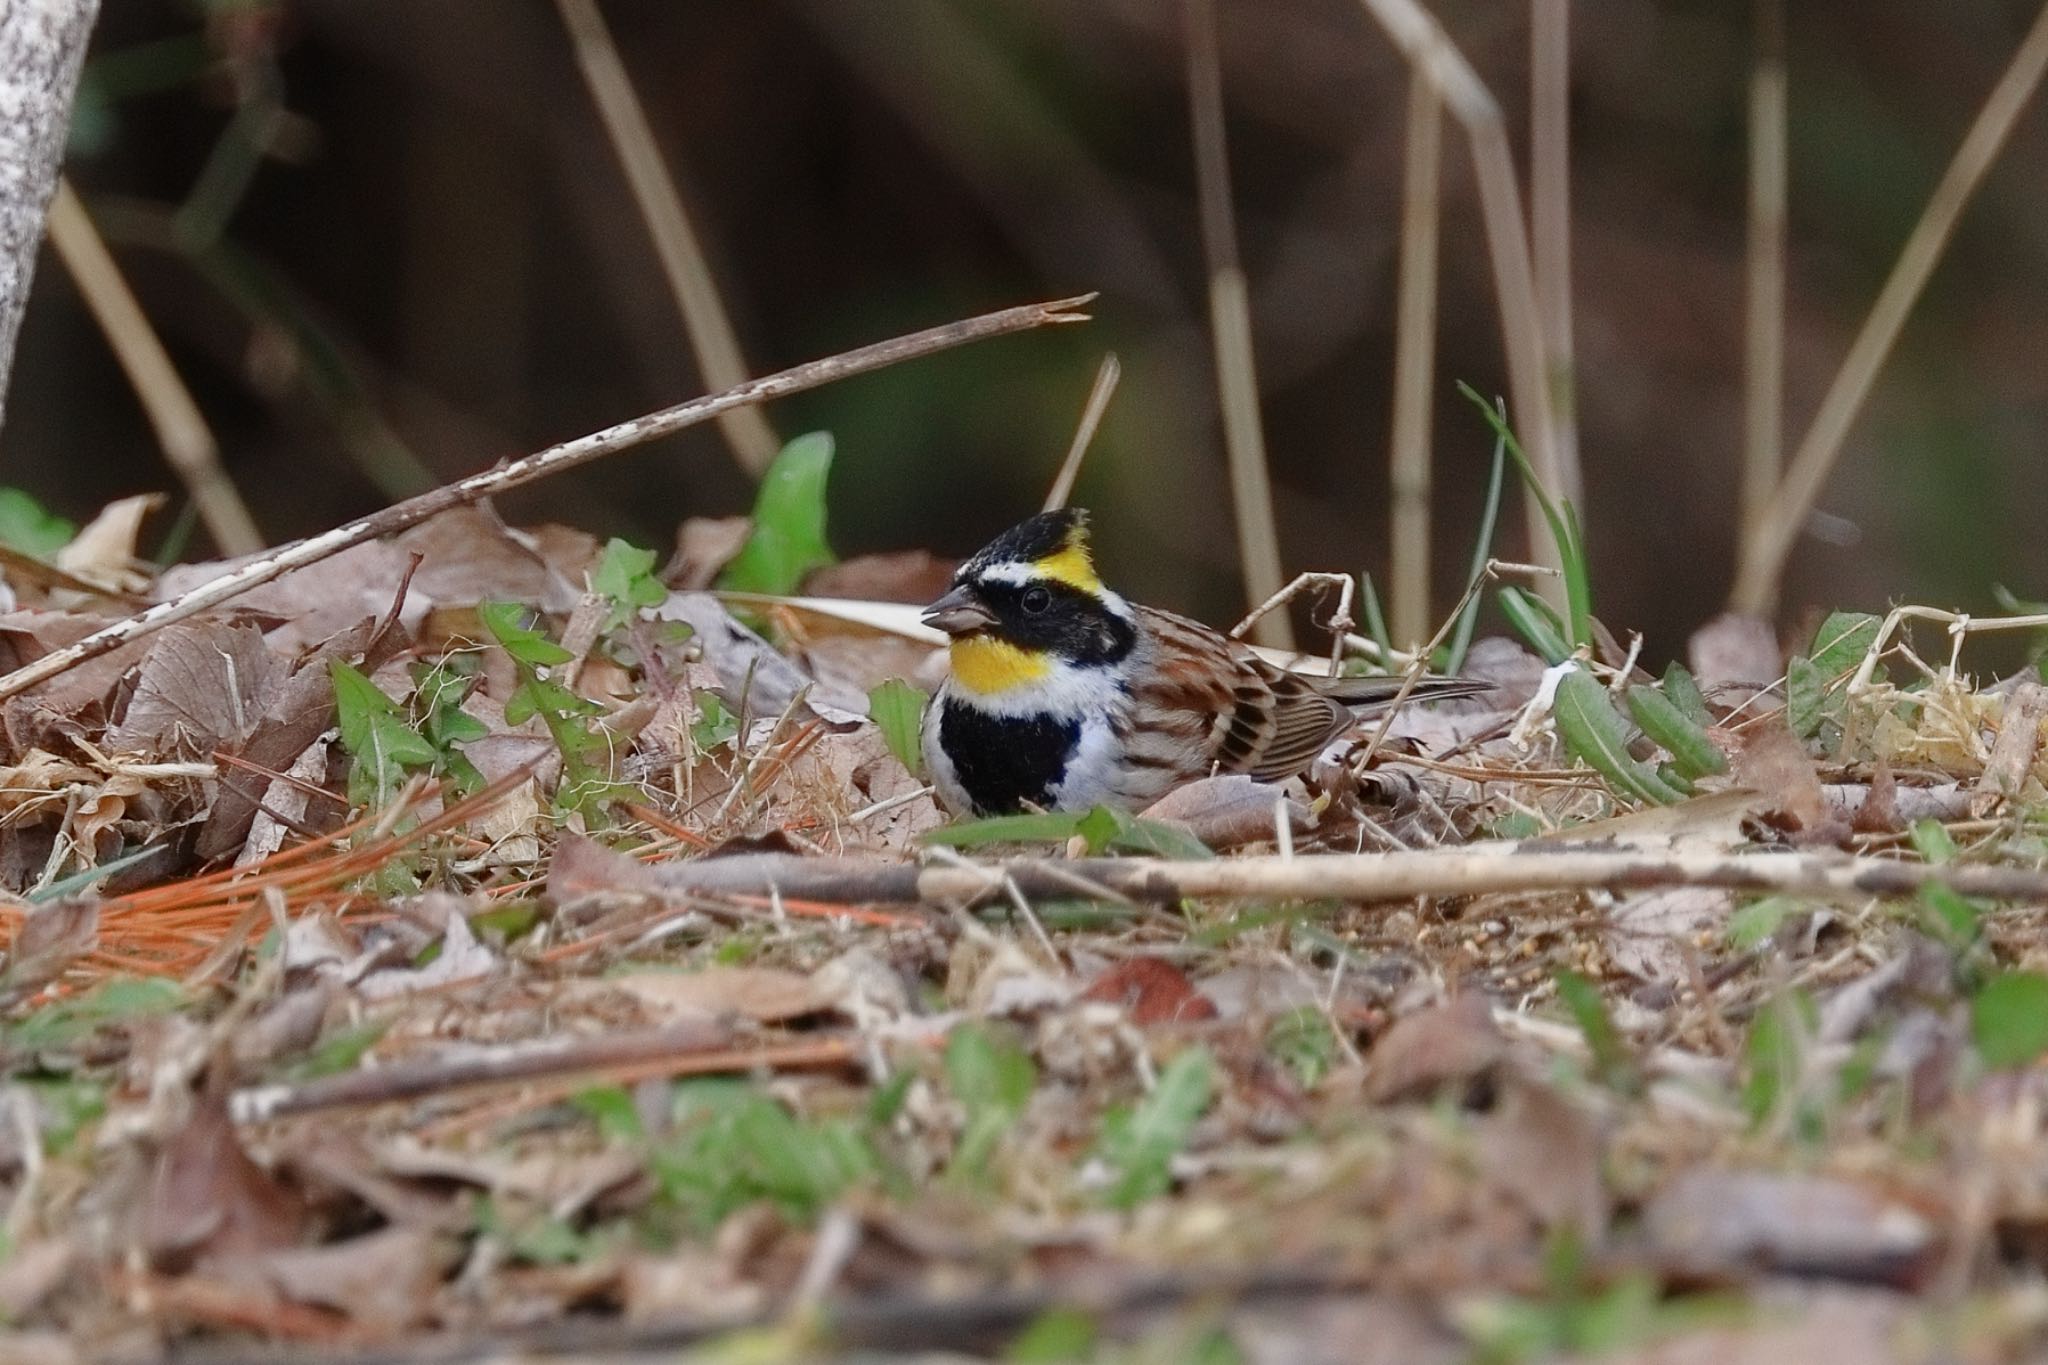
1064	696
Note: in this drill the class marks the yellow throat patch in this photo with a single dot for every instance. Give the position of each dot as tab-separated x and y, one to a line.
985	665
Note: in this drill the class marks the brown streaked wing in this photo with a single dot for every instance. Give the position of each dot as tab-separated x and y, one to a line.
1304	720
1253	718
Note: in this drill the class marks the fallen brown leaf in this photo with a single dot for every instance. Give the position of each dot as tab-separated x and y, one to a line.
1152	991
765	995
1451	1043
207	1199
1719	1222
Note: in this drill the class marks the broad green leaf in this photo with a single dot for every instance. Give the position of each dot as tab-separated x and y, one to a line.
1595	732
1805	696
1932	841
898	708
788	539
987	1072
1950	919
2009	1018
1842	641
1301	1041
26	527
1132	835
1683	691
715	725
612	1109
1139	1144
506	622
1754	924
625	577
1692	752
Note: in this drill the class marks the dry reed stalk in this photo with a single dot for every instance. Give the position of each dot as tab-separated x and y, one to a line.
746	430
1550	208
1230	323
181	429
1415	365
1763	389
1104	388
1430	53
1767	542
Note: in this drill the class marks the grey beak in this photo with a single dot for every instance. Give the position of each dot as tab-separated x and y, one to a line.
957	613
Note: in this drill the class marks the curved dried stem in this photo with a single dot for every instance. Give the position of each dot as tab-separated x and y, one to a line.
181	429
1767	541
747	430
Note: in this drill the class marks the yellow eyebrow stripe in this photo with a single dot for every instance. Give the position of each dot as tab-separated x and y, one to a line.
985	666
1071	565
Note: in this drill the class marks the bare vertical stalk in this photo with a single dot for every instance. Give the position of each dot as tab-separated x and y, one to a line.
1550	207
746	430
1768	542
1415	363
1244	440
1763	389
1106	375
1431	54
42	46
181	429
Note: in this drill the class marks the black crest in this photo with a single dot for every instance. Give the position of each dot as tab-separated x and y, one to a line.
1033	539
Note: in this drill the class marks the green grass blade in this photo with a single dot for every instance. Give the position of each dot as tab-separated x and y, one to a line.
1482	550
1692	752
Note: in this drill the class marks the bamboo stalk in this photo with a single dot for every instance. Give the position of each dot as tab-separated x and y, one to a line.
1768	543
1763	389
1430	52
1550	209
1230	323
1415	365
181	429
747	430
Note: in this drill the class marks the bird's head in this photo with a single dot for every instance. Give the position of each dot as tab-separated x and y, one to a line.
1028	602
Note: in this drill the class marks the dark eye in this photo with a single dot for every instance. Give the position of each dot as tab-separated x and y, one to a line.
1036	600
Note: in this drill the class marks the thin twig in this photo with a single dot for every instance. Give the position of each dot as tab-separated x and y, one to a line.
1469	870
181	429
753	440
1763	388
1099	395
1768	543
553	460
1230	323
696	1048
1415	363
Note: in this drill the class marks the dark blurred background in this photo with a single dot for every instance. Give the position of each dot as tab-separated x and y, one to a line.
388	243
